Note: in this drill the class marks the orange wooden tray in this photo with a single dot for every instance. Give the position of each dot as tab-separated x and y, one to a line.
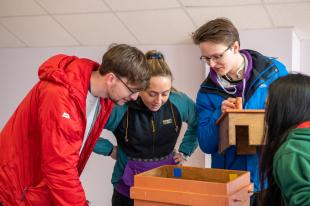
196	187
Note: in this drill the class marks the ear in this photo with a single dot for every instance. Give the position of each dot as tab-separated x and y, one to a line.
235	47
110	78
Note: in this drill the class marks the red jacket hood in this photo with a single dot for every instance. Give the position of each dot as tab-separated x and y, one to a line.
69	71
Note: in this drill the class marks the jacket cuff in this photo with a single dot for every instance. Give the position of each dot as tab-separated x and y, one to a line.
103	147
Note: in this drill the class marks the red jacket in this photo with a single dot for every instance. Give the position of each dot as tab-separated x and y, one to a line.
40	162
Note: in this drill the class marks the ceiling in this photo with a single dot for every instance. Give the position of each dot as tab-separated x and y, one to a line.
51	23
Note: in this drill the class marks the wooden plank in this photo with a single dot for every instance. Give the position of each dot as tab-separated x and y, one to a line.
249	111
224	140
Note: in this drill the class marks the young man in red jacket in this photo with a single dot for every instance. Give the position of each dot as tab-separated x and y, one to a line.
49	138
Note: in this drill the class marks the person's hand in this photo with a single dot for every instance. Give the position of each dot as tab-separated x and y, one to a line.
179	158
229	103
113	154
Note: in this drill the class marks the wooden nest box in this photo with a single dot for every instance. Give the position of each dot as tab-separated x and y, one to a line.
243	128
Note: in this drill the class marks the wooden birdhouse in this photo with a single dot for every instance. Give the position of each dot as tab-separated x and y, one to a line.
243	128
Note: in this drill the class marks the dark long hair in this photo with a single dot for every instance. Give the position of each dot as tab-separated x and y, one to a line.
288	105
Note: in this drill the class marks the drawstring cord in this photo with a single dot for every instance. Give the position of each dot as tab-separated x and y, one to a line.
174	121
127	123
231	86
234	87
243	89
24	193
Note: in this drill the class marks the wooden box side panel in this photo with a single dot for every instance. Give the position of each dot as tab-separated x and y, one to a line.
149	197
152	203
171	184
224	140
255	123
177	198
240	198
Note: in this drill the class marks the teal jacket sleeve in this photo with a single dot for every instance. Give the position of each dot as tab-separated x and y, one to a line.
119	166
186	107
104	146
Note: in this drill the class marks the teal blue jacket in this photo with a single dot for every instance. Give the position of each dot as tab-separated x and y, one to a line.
185	111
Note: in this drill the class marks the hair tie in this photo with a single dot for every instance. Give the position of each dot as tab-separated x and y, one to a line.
155	56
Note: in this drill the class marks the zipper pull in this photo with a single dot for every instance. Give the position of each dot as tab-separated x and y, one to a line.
153	125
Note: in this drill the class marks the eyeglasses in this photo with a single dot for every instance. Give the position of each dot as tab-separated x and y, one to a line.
214	58
132	90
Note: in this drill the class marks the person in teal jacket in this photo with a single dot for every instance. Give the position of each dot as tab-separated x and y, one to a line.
285	161
147	129
233	73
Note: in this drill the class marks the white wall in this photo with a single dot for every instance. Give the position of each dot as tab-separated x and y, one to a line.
305	57
282	43
18	74
271	42
296	57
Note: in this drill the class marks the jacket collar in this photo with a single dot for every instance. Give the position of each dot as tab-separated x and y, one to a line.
304	125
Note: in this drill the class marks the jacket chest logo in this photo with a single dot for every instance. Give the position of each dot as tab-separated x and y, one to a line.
167	121
66	115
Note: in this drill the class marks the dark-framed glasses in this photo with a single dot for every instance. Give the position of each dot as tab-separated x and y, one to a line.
214	58
132	90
